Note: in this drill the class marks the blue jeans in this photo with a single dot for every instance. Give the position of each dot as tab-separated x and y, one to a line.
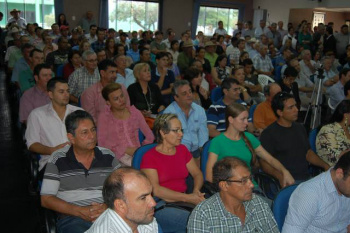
171	219
72	224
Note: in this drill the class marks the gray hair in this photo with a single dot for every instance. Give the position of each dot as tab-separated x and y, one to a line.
86	54
162	123
177	84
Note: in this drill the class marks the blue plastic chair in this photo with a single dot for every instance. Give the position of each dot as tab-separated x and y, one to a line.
281	203
251	112
216	94
59	71
312	139
204	158
139	153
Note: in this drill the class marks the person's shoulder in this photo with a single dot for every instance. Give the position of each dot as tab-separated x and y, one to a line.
59	154
270	128
40	110
105	151
210	203
198	108
73	108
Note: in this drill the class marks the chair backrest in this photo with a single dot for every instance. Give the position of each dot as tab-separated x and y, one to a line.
264	80
330	105
312	139
204	158
251	111
139	153
216	94
281	203
59	71
269	185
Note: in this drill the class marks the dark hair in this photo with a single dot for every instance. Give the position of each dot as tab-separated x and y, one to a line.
26	46
219	36
142	50
177	84
329	30
52	83
344	26
224	169
278	101
112	87
338	114
103	65
160	55
73	119
35	50
93	25
247	61
38	28
113	187
158	33
344	164
233	110
71	54
219	59
228	82
190	74
64	21
346	88
39	67
173	42
343	72
61	39
290	72
162	123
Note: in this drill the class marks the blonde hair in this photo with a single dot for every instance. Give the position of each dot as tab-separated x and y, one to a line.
137	69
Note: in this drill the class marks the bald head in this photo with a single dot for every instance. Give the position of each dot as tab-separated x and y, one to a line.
271	90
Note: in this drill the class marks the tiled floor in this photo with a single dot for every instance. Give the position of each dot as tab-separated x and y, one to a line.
19	211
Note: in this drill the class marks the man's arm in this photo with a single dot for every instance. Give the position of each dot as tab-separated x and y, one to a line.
45	150
203	134
213	132
312	158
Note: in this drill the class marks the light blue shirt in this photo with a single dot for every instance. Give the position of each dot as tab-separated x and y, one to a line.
316	207
19	66
195	126
336	93
127	80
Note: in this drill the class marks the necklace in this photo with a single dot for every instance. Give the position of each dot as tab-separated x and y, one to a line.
149	104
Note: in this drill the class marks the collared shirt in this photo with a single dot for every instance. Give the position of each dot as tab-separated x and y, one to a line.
91	39
85	24
260	31
81	79
46	127
305	69
262	63
21	22
134	55
67	179
167	43
234	56
249	32
282	32
158	46
211	216
111	222
336	93
194	126
98	45
13	54
128	79
31	99
19	66
276	38
26	80
317	207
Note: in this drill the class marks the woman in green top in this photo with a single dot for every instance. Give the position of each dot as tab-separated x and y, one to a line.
304	37
238	143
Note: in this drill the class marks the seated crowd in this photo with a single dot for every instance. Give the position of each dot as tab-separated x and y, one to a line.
90	99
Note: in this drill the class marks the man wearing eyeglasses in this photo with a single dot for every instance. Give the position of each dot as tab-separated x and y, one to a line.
84	77
288	142
234	208
192	117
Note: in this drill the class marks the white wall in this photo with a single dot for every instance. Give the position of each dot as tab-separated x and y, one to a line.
279	9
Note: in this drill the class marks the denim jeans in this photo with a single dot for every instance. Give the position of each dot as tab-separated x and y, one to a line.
72	224
171	219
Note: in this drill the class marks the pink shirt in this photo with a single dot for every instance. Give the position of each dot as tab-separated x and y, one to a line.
93	102
31	99
117	135
171	169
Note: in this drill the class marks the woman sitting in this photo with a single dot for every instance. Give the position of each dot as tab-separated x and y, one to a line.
167	166
334	138
238	143
110	49
145	95
74	62
119	125
239	75
200	95
222	69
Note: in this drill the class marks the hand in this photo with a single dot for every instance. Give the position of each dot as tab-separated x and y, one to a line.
60	146
146	113
195	198
163	71
203	92
161	108
96	209
287	179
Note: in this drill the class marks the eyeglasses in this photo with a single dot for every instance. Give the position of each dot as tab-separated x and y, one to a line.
243	181
92	60
177	130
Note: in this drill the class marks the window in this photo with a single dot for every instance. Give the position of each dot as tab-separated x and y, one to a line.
34	11
209	17
133	15
318	18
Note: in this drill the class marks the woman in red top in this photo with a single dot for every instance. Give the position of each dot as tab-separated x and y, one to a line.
74	62
167	166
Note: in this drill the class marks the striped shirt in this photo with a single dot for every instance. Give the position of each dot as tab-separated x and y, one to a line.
316	207
211	216
81	79
70	181
111	222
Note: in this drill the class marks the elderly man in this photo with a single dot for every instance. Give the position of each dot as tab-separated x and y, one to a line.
330	77
234	208
128	195
336	92
281	30
248	29
186	57
91	99
87	21
342	38
321	204
36	96
21	22
84	77
216	113
22	63
192	117
263	114
307	65
210	53
74	176
261	29
274	36
288	142
125	75
45	129
262	62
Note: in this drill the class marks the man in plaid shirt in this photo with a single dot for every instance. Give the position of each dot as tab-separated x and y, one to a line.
262	62
234	208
